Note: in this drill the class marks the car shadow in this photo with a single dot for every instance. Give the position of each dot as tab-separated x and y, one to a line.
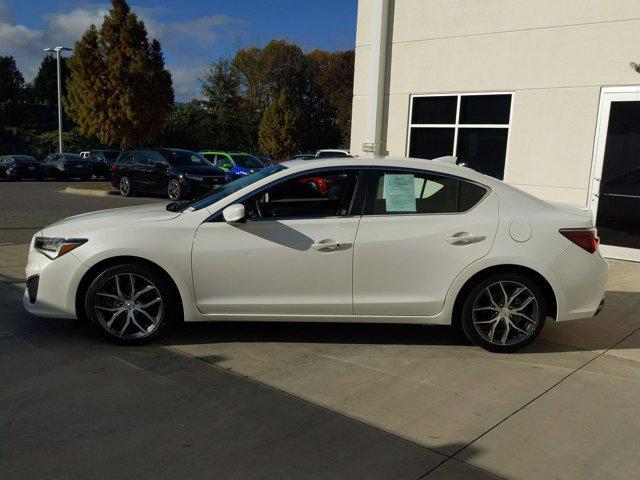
618	321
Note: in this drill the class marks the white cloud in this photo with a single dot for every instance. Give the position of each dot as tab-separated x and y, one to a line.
186	43
71	26
185	81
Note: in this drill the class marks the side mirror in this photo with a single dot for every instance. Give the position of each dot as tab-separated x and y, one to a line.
234	213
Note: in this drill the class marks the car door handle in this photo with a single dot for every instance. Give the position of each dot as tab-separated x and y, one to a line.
464	238
330	245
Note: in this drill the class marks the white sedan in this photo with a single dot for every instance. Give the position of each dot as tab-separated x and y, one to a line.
337	240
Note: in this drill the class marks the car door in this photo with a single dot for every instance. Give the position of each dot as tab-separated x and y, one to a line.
418	232
155	173
140	170
292	256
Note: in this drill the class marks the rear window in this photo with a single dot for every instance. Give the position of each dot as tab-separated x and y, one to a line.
401	192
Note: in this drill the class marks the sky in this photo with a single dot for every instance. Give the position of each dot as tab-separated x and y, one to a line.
193	33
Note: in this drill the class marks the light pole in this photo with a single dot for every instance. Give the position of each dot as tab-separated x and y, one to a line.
58	50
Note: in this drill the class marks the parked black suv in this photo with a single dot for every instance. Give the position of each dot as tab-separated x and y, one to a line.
17	167
100	162
63	166
172	173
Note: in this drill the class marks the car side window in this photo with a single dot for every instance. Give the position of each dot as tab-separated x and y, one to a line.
317	195
224	162
124	159
399	192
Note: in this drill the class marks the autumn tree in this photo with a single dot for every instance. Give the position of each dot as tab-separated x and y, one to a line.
119	90
280	129
333	77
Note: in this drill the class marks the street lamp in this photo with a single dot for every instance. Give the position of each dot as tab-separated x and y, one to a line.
57	50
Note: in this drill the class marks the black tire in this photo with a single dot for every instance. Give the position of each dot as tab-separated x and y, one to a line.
100	302
124	185
174	190
485	307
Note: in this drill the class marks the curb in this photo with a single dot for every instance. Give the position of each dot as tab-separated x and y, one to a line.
90	192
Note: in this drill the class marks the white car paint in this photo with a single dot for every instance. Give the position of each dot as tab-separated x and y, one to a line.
392	268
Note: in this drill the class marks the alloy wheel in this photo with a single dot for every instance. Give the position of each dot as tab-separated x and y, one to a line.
125	186
128	306
173	190
505	313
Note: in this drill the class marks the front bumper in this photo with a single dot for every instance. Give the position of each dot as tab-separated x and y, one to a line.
54	294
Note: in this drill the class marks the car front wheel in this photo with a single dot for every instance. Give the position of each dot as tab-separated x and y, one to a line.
131	304
124	185
504	313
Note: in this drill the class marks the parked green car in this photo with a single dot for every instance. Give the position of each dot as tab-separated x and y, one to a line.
237	164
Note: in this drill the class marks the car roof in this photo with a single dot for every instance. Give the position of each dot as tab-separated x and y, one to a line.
222	152
441	165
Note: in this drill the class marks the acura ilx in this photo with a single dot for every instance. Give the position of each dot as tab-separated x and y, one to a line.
388	240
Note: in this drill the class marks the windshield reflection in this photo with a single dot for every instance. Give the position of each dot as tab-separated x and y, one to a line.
223	191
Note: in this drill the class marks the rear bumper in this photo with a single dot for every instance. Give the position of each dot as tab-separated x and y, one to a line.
580	281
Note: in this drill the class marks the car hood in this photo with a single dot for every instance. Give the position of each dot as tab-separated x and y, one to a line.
105	218
208	171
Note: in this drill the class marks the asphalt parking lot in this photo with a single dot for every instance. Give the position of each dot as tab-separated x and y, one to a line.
308	401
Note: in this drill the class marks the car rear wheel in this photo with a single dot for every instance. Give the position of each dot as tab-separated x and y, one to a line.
131	304
124	185
174	190
504	313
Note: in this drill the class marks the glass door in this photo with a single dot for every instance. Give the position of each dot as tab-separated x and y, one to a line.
615	186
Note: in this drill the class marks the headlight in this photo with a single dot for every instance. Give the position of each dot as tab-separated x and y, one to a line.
54	247
197	178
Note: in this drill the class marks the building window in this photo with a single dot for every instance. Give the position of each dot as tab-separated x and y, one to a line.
473	127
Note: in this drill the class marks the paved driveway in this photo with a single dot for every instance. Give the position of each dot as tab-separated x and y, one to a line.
326	401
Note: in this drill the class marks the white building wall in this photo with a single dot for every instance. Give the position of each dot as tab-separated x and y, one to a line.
555	55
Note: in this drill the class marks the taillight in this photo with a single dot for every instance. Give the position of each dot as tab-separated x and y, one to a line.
114	168
585	238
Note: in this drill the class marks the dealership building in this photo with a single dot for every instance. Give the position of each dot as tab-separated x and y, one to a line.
544	94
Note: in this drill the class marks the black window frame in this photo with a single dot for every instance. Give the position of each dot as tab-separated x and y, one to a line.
373	177
457	125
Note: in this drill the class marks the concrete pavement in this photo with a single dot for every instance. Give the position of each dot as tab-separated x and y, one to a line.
271	400
74	406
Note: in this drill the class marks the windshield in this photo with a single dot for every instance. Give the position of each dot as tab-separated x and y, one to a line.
225	190
71	156
23	158
248	161
110	154
184	158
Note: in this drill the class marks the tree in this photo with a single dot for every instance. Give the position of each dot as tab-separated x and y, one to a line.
119	90
222	100
45	86
11	80
334	79
190	127
280	129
